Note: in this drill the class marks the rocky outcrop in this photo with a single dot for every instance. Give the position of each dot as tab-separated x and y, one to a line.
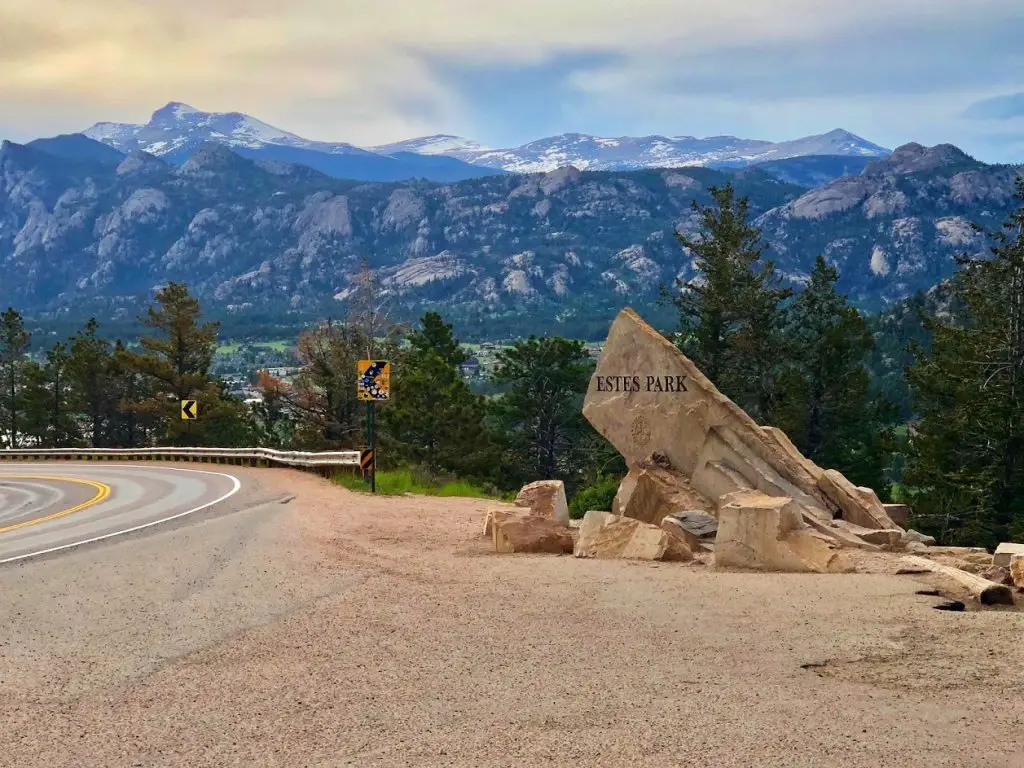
515	532
898	513
604	535
651	402
545	498
767	533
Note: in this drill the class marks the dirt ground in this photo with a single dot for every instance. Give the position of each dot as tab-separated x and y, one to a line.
336	629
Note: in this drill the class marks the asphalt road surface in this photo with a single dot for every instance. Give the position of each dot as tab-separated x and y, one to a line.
47	508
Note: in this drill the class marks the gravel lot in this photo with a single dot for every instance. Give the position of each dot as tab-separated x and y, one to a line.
342	630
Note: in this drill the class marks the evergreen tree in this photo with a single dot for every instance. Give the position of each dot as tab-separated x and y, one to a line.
176	362
93	390
14	340
730	315
540	412
827	409
434	420
48	419
967	459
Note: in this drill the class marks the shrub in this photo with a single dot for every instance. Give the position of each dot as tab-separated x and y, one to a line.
597	496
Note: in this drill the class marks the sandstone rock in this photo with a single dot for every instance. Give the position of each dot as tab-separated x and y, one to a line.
605	535
649	493
767	533
514	532
886	538
1005	551
545	498
915	546
647	398
1017	571
898	513
920	538
695	528
960	583
859	506
998	575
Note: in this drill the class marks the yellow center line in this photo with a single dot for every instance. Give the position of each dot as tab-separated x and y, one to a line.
102	492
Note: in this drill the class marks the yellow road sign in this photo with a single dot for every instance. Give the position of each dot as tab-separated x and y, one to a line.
373	380
189	410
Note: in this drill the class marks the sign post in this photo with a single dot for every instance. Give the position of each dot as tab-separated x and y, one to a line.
189	413
373	385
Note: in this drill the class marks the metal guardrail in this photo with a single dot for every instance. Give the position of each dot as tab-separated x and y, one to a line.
256	456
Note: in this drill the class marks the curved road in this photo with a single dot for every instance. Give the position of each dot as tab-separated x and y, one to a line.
46	508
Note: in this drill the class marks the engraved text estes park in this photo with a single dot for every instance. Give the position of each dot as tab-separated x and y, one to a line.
641	384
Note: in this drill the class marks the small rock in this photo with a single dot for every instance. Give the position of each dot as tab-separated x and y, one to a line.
914	536
513	531
998	574
1017	571
952	605
545	498
916	546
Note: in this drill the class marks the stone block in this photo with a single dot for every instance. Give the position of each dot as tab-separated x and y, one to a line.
650	493
604	535
545	498
1005	551
1017	570
768	533
516	532
898	513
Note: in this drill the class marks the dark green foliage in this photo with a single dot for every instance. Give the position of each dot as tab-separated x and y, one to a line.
828	411
598	496
14	340
540	413
967	460
435	421
730	316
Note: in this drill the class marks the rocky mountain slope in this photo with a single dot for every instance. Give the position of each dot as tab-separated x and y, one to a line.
176	130
266	236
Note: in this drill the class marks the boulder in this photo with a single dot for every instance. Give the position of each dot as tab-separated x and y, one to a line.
1017	571
960	583
919	538
515	532
885	538
859	506
696	528
605	535
768	533
1005	551
545	498
647	398
998	575
650	492
898	513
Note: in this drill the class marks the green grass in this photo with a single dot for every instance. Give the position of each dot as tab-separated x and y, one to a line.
401	481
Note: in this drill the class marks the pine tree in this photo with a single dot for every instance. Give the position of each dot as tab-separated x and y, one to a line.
540	412
434	420
93	390
176	362
828	410
967	460
730	316
14	341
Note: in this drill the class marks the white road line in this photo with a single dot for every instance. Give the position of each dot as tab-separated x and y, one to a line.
236	486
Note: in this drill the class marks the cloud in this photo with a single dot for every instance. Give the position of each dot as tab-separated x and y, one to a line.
386	70
997	108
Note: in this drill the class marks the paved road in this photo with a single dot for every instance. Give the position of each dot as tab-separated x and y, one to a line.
47	508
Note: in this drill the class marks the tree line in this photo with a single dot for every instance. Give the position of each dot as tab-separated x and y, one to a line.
796	359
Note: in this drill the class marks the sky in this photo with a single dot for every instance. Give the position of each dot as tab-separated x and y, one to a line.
503	74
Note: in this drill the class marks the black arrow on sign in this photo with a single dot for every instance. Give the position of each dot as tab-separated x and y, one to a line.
190	408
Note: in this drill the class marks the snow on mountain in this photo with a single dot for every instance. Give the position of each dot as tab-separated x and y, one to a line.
439	144
625	153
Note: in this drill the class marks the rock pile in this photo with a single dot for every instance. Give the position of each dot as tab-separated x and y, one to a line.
705	478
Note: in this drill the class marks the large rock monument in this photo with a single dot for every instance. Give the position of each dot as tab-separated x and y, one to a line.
687	445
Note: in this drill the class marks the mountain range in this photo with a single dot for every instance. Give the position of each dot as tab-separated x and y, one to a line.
176	130
84	230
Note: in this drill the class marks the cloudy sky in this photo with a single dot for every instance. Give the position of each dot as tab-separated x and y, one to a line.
504	73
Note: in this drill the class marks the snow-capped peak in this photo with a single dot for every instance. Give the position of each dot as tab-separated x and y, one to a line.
174	110
438	144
